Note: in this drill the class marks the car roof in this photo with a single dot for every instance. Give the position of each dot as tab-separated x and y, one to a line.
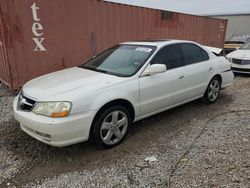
157	43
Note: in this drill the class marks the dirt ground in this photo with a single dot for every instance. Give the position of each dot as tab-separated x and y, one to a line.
220	157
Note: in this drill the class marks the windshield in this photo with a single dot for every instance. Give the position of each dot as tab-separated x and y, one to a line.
245	46
121	60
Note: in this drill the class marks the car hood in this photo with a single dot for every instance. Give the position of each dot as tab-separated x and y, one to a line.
243	54
63	82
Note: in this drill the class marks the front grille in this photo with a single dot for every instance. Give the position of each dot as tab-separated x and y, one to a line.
237	61
25	103
241	61
245	62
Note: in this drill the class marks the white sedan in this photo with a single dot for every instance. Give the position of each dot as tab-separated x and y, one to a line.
240	59
100	99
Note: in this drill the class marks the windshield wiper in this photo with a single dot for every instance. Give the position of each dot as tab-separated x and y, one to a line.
95	69
102	71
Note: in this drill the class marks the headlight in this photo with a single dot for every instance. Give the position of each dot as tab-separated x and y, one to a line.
52	109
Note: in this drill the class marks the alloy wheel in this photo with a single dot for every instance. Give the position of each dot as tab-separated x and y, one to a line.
114	127
213	90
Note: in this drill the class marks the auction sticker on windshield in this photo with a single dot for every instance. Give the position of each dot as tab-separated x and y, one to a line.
143	49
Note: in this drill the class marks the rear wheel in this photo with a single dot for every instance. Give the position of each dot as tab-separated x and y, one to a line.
213	91
110	127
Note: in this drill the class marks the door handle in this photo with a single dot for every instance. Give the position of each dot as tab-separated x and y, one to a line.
181	77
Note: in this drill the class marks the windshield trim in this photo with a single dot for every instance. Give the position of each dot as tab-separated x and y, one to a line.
117	74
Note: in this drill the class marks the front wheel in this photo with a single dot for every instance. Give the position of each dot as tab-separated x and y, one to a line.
213	91
110	127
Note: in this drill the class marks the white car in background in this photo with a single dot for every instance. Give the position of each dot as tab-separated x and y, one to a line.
101	98
240	59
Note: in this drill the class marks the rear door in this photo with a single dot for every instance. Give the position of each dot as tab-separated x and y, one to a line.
199	69
166	89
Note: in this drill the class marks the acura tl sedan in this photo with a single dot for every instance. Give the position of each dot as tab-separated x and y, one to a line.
100	99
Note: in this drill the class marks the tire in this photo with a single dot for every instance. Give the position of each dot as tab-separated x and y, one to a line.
213	91
110	127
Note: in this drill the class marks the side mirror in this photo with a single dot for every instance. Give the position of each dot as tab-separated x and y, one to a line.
154	69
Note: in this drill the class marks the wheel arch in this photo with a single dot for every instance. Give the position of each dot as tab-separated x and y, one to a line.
218	76
117	102
214	76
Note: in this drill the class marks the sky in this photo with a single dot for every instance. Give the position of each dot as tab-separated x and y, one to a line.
197	7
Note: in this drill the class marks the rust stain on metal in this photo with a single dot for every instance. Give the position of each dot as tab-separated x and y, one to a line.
39	37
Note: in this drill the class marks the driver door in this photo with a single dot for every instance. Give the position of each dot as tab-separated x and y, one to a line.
163	90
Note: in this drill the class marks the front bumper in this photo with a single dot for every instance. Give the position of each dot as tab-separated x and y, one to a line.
240	68
57	132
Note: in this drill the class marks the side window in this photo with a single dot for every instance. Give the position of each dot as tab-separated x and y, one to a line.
193	54
205	55
169	56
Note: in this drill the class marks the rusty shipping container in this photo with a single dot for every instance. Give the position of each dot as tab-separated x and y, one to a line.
41	36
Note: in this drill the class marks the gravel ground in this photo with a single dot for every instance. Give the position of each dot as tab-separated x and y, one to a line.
218	158
9	163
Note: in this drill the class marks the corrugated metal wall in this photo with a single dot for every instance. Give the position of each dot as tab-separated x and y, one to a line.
72	31
4	67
